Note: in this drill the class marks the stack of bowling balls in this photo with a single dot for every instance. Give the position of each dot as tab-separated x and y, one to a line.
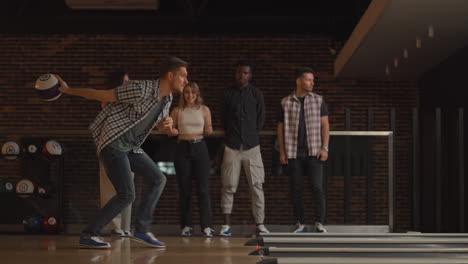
50	150
38	224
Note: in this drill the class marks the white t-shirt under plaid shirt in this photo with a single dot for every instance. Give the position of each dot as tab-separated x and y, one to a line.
135	99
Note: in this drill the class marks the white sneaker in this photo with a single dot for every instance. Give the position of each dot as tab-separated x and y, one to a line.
147	239
92	242
186	231
225	230
208	232
262	229
301	229
117	232
319	228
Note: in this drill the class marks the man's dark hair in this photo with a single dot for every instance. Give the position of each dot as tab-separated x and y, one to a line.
242	63
170	64
300	71
116	78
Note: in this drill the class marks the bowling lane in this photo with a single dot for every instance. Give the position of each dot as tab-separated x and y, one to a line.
38	249
367	235
379	242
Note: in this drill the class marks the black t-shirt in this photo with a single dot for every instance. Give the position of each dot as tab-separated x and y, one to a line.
302	149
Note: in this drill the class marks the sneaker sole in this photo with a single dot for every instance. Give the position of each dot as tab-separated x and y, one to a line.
93	247
145	243
225	235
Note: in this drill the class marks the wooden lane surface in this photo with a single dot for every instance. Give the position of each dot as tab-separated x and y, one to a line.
38	249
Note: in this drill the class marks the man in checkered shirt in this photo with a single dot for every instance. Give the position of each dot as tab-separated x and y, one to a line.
133	110
303	136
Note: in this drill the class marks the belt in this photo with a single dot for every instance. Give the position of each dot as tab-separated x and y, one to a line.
191	141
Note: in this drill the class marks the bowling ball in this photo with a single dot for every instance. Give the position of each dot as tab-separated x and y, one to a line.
47	87
50	224
25	188
52	149
32	149
44	190
33	224
10	150
8	186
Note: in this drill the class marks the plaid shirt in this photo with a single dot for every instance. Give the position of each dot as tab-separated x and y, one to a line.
291	109
135	99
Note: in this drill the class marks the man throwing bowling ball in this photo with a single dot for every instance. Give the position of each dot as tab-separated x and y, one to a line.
118	132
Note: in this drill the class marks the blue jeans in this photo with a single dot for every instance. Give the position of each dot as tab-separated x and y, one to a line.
119	166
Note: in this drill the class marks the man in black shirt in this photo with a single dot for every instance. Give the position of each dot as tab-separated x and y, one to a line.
243	115
303	138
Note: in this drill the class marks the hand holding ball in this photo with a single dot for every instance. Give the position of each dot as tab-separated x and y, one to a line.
47	87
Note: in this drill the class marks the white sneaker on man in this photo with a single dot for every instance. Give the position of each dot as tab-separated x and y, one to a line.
225	230
262	229
148	239
117	232
301	229
319	228
186	231
208	232
87	241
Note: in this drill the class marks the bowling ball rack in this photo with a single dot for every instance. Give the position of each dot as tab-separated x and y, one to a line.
23	211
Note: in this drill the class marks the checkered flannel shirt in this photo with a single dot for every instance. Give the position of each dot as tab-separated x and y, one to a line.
135	99
291	109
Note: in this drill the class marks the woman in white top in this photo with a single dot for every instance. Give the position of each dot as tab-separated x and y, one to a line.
192	121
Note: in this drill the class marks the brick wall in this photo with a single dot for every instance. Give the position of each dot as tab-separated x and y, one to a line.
85	60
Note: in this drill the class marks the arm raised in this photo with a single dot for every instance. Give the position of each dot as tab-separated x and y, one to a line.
88	93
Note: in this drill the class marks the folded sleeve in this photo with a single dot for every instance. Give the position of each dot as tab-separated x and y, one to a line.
130	92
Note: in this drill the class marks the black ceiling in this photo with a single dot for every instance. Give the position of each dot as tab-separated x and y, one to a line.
335	18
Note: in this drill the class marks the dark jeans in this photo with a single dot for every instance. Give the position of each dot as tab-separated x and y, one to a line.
307	167
193	162
119	166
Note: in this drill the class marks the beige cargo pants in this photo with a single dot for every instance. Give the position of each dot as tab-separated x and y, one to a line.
251	160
